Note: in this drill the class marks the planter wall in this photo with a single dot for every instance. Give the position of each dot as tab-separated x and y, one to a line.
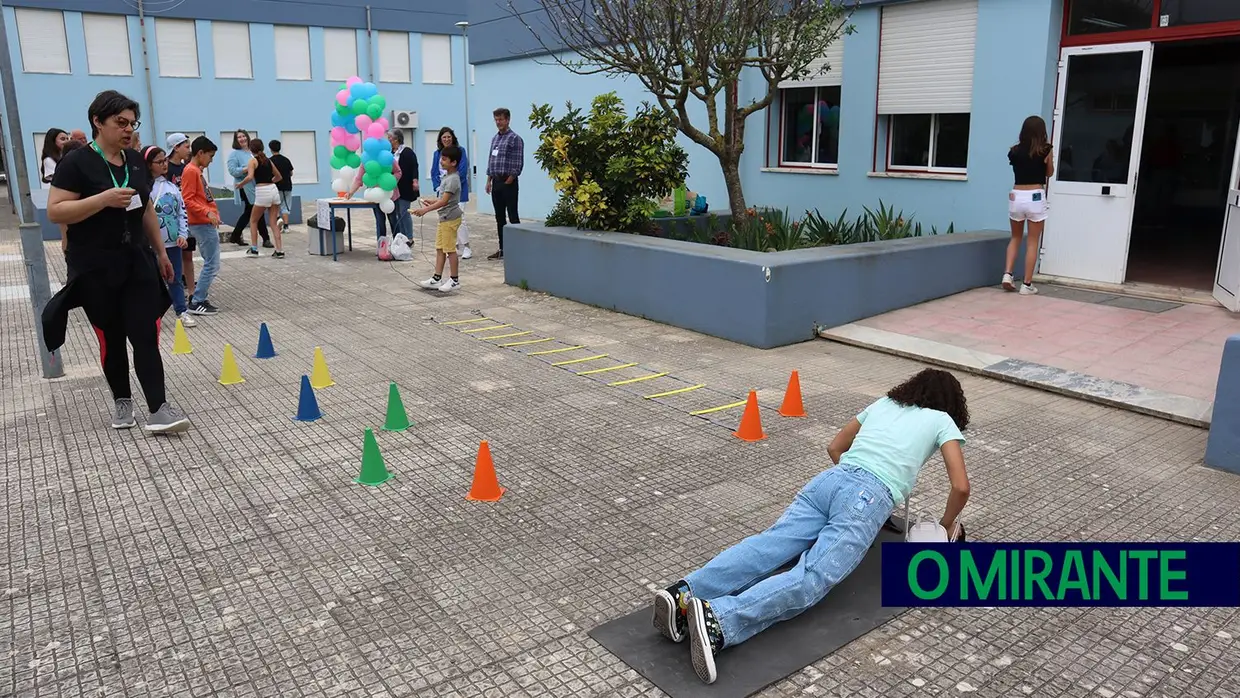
759	299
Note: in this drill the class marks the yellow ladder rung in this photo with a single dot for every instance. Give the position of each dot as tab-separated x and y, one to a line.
719	408
484	329
605	370
466	322
675	392
528	341
577	361
506	336
556	351
638	380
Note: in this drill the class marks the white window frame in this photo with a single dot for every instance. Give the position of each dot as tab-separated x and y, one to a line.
302	166
63	64
429	52
394	46
168	24
112	45
783	107
934	140
298	40
236	30
335	37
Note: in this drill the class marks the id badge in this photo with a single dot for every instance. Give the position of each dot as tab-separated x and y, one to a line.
495	152
135	202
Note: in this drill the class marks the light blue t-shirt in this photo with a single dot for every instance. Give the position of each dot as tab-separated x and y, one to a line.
895	441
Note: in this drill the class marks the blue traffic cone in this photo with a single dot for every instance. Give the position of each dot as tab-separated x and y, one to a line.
265	348
308	405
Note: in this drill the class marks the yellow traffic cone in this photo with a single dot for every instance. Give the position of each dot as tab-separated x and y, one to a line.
320	377
229	373
180	340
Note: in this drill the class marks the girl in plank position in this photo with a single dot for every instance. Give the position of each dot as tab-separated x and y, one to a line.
829	526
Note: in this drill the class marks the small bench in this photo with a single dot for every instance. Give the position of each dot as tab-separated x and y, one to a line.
1223	444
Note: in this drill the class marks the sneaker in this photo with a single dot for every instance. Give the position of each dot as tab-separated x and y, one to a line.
252	252
1028	290
1008	283
669	611
211	307
497	255
267	244
449	285
278	254
466	253
187	320
203	308
167	420
431	283
122	414
705	639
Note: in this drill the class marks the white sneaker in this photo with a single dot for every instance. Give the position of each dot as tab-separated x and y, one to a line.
1028	290
467	253
449	285
187	320
1009	284
431	283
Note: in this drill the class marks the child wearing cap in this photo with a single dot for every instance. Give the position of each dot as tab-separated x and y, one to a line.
178	156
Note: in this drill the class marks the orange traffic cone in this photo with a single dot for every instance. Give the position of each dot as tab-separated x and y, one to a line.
751	422
486	488
792	406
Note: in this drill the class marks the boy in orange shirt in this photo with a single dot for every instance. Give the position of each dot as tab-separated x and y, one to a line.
204	221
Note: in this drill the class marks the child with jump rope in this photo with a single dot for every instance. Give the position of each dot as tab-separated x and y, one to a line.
450	215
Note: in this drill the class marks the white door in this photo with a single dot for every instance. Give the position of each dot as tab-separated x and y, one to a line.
1099	119
1227	275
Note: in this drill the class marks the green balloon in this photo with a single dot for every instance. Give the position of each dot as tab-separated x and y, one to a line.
359	107
387	181
373	167
343	110
379	100
354	160
374	111
370	179
338	162
341	152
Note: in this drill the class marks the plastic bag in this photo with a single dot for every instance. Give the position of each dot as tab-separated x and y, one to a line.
399	248
385	249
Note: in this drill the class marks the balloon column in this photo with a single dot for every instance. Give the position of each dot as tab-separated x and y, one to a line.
359	141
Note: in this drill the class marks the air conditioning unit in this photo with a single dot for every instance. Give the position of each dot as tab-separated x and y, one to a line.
404	119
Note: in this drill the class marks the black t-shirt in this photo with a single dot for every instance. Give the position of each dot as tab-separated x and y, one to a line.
285	168
86	173
175	172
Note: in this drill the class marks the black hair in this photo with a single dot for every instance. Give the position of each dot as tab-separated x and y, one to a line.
150	153
50	149
452	152
106	105
934	389
202	144
447	129
237	143
274	145
502	111
256	149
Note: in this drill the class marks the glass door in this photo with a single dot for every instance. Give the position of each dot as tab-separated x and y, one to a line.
1227	275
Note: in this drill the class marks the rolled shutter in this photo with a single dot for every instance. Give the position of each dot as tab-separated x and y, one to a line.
176	42
292	47
232	50
299	148
107	44
832	58
44	47
926	57
394	57
339	53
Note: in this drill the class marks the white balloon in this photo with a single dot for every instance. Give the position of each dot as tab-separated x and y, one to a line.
338	185
376	195
387	206
347	173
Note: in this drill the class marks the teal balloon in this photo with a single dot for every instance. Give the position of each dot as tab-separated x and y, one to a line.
359	107
354	161
370	179
373	167
387	181
341	152
338	162
374	111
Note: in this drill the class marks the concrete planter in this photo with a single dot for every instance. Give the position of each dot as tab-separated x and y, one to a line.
759	299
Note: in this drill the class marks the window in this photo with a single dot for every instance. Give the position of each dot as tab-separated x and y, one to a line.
1103	16
925	83
810	126
437	59
1181	12
176	42
232	50
44	47
394	57
107	45
292	47
339	54
299	148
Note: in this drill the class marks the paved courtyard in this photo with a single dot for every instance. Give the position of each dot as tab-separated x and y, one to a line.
241	560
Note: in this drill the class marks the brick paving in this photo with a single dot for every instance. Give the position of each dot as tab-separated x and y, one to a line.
241	560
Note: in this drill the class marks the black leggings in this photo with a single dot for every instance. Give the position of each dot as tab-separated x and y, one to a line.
504	199
147	362
244	221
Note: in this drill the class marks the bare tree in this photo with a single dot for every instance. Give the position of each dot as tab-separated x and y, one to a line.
699	49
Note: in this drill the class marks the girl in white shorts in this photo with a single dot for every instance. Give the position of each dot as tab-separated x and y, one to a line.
1032	164
266	198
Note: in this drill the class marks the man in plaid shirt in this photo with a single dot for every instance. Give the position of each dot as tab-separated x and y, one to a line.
504	165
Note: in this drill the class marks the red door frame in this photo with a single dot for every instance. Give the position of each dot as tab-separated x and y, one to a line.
1154	33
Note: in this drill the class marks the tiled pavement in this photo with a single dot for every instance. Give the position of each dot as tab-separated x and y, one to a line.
241	560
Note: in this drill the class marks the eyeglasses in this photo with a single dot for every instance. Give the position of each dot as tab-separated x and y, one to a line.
124	124
159	161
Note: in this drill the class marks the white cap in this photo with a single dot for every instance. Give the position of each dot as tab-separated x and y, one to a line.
175	139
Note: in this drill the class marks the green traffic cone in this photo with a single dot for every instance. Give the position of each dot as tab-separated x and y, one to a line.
397	419
374	472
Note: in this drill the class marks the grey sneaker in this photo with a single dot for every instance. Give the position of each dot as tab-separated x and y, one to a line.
122	414
167	420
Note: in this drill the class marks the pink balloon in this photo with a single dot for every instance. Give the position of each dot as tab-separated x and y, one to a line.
376	130
383	120
339	135
352	81
342	98
354	141
363	122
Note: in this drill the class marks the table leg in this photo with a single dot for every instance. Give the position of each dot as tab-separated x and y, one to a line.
349	213
331	213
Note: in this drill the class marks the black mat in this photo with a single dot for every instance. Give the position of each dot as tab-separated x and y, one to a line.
851	610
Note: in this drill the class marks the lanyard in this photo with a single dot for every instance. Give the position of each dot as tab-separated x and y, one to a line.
105	160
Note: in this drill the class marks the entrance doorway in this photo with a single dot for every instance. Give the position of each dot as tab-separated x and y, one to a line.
1191	124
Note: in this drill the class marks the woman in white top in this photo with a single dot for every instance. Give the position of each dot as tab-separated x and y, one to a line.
53	142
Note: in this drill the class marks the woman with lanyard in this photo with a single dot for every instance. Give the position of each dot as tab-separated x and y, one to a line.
116	259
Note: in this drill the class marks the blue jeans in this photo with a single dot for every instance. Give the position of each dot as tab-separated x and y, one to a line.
208	237
176	289
381	220
402	221
828	529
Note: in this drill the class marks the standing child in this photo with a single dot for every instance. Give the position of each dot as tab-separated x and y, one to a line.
178	155
285	186
449	206
173	225
266	197
204	221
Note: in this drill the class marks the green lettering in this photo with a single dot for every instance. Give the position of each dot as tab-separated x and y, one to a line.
916	587
1143	572
1073	565
969	575
1038	577
1118	584
1014	584
1166	575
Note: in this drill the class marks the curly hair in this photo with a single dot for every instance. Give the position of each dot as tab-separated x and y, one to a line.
934	389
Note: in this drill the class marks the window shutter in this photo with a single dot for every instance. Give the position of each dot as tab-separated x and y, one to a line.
107	44
176	42
926	57
339	53
44	47
394	57
437	59
232	50
833	57
292	46
299	148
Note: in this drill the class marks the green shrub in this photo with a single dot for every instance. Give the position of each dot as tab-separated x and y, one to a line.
766	230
